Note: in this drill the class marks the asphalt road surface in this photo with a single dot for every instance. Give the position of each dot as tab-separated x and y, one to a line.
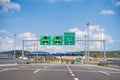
58	72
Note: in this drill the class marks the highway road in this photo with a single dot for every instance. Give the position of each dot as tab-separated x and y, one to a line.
58	72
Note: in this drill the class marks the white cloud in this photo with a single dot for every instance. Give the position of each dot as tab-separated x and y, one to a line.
79	33
116	2
3	31
6	43
53	1
107	12
27	36
95	33
8	5
93	30
96	28
98	33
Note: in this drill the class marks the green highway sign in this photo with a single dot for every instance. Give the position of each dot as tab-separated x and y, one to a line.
57	40
69	38
78	59
45	40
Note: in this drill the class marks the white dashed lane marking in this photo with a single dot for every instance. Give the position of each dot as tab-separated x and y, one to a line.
76	79
71	72
73	75
36	71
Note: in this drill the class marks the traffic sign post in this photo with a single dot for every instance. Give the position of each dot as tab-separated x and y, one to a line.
57	40
45	40
69	38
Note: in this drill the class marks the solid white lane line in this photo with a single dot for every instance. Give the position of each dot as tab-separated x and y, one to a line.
72	74
3	70
76	79
69	68
104	73
36	71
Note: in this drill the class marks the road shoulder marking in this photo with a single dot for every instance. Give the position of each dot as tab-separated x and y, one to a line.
3	70
104	73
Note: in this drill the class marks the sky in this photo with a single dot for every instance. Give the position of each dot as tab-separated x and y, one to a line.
30	19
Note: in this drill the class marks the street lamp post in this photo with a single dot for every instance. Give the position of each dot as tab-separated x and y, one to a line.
85	49
14	48
88	24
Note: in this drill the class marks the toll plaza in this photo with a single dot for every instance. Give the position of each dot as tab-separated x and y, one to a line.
57	57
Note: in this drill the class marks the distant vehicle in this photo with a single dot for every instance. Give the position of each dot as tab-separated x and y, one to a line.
23	57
